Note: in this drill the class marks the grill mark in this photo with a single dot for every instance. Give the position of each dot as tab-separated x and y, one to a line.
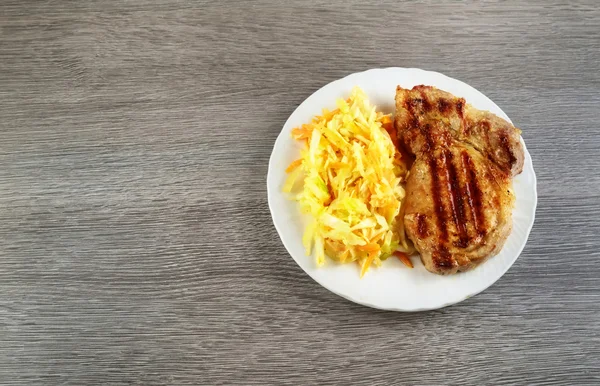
421	226
435	191
508	150
442	258
409	105
426	105
407	136
457	205
459	108
414	121
444	105
460	111
466	129
411	102
473	193
486	127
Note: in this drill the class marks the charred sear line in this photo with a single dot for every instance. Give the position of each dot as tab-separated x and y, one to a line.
444	106
456	203
414	106
486	128
436	188
473	193
459	108
442	258
425	103
410	105
414	122
464	128
504	141
422	230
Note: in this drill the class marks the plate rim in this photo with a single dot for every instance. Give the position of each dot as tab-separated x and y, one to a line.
533	209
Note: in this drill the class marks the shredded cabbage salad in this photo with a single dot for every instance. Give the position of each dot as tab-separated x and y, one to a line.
352	175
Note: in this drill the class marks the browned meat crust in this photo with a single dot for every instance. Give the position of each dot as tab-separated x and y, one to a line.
458	209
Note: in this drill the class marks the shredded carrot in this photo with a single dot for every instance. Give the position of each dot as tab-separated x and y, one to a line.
302	132
373	247
378	237
294	165
298	133
386	119
352	183
368	262
404	258
327	115
388	126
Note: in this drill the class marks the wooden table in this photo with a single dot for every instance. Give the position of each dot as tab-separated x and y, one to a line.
136	246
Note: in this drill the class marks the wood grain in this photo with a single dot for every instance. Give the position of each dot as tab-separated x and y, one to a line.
136	245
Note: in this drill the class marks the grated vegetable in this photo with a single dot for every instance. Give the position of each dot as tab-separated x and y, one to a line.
352	175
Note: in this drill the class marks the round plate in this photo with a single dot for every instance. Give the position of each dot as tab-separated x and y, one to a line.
392	286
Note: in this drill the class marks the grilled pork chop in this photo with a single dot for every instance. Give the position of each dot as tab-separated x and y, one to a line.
458	205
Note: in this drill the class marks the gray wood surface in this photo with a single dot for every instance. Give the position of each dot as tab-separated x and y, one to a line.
136	245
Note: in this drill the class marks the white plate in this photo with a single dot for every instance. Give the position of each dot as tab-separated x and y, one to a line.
392	286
